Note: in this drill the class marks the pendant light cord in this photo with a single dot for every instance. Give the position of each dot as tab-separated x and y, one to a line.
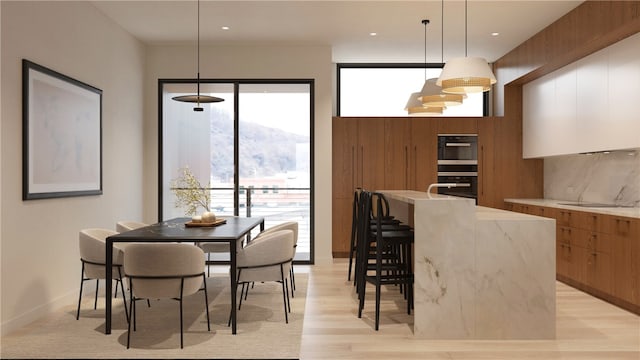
465	28
198	51
425	22
442	33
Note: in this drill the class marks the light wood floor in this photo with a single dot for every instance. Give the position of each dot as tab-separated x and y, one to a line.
587	328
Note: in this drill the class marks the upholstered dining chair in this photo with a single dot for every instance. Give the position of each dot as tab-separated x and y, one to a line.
92	255
122	226
164	271
289	225
267	258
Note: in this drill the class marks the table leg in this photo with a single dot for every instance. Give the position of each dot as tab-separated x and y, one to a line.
234	283
108	280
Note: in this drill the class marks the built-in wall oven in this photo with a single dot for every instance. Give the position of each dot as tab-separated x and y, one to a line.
458	164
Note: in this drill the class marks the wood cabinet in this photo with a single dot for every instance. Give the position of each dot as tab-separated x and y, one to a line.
357	161
401	153
597	253
486	165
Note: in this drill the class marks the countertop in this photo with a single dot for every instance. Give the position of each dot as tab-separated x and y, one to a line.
560	204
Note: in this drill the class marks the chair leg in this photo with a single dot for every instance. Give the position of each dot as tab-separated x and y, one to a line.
132	313
124	298
206	302
80	296
180	300
377	306
293	280
241	293
286	285
208	266
284	295
95	302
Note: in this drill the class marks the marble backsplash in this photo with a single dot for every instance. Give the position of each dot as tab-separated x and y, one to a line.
612	178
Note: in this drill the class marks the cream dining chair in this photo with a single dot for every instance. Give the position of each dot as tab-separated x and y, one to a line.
92	255
267	258
164	271
289	225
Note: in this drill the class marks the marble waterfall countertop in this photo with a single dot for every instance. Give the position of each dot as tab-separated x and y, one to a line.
633	212
480	273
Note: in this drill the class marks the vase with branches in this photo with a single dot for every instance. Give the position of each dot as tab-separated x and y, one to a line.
190	194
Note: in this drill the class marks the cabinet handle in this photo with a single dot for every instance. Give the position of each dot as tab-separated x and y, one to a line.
353	167
362	166
482	178
415	167
406	167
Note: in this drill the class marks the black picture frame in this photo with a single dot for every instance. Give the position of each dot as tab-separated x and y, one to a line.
61	135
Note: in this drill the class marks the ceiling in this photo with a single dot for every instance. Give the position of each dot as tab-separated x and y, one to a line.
344	25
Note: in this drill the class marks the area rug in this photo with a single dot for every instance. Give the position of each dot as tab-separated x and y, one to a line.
261	331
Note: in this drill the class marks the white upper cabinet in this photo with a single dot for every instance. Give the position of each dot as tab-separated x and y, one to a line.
590	105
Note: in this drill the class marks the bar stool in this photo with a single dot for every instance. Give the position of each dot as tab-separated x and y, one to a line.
383	256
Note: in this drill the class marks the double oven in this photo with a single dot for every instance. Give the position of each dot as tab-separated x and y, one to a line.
458	163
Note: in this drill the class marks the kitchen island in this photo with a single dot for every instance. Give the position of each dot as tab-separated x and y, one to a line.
480	273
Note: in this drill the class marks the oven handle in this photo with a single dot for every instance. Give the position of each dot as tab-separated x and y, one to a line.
458	144
457	162
454	173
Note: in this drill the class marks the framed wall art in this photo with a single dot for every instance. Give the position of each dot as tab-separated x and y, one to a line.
61	135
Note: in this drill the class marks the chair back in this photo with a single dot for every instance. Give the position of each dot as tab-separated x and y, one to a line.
289	225
156	270
92	251
122	226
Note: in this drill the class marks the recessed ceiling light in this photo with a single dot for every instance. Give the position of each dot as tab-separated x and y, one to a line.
225	28
373	34
495	33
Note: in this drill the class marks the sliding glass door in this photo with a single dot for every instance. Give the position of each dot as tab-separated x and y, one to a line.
253	151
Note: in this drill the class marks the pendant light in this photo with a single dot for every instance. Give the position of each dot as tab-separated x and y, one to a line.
431	95
467	74
198	98
414	107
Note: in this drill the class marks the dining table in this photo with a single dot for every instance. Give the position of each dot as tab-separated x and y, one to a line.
231	231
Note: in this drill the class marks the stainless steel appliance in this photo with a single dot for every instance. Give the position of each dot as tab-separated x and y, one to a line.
458	164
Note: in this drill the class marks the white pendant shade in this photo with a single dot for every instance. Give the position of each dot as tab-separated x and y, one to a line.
466	75
414	107
431	95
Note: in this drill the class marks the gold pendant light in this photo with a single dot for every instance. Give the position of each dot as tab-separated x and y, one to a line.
415	107
198	98
467	74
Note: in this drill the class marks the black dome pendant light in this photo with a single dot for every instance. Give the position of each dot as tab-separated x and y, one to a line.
198	99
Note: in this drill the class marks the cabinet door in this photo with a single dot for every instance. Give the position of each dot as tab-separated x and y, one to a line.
562	264
598	270
370	156
341	218
452	125
344	157
397	148
625	257
486	149
423	154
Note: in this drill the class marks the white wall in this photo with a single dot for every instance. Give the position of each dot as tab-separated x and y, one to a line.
250	62
40	262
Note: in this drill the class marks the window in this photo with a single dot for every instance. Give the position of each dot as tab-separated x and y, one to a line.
383	90
259	138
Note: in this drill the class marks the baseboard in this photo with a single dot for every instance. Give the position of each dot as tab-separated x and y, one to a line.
41	311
